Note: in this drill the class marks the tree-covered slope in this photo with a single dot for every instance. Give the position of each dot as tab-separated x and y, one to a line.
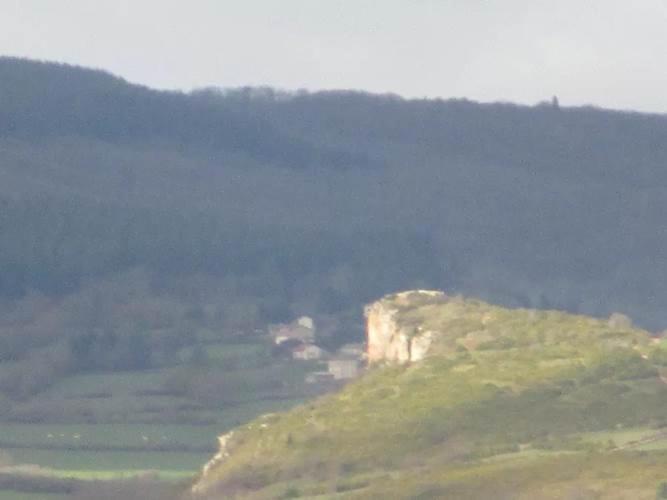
522	402
42	101
531	206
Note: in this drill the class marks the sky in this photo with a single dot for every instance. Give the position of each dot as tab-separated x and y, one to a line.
608	53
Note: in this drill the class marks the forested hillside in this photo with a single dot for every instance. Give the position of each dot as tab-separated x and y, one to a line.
147	239
316	203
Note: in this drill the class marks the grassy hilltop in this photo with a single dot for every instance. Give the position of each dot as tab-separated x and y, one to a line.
509	403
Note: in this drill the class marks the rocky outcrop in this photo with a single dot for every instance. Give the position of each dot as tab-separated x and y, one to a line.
388	340
201	486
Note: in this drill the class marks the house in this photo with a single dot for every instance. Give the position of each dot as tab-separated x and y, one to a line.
306	322
308	352
343	368
356	351
292	331
319	378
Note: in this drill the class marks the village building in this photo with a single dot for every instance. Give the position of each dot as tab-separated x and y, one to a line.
319	378
356	351
344	368
302	330
306	322
308	352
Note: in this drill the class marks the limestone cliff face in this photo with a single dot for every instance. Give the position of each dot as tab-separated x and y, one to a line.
389	341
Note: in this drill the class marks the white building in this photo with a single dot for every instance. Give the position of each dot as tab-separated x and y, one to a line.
306	322
293	331
308	352
319	378
357	351
344	368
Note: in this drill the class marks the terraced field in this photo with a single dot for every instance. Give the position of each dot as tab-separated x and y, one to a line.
120	425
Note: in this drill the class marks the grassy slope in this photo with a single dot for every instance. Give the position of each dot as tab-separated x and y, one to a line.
522	384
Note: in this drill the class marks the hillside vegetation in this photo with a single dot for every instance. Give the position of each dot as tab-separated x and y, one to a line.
290	199
509	403
148	238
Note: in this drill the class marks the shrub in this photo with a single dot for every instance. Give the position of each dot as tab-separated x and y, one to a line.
659	357
662	491
499	343
292	492
620	321
350	485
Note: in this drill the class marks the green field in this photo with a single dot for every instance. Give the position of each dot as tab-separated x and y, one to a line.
105	461
16	495
132	429
81	436
103	451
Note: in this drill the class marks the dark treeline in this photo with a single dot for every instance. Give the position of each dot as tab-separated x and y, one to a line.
39	101
54	246
317	203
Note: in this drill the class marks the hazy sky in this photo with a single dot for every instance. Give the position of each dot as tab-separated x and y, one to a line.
605	52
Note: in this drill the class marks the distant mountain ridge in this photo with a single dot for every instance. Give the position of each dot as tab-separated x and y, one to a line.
45	100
